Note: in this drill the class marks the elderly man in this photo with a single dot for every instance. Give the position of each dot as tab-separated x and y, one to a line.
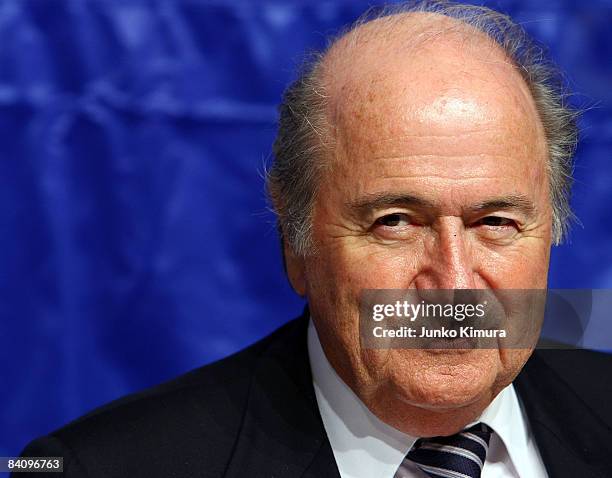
427	148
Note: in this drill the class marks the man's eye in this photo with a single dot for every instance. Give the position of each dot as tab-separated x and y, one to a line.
394	220
495	221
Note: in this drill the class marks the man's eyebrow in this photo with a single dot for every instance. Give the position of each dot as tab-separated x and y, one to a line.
515	201
379	201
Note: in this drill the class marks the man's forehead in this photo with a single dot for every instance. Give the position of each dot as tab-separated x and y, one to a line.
422	67
417	81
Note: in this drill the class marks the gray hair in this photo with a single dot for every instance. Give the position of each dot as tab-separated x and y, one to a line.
302	142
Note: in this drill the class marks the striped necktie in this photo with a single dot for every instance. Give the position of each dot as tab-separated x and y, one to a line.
456	456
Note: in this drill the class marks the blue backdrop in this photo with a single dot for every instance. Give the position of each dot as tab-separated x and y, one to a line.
135	240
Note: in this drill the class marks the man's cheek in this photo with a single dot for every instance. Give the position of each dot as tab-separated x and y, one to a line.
524	268
393	268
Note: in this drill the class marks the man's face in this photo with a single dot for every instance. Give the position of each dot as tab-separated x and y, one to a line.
438	180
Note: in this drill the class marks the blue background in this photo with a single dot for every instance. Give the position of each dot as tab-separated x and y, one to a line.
135	243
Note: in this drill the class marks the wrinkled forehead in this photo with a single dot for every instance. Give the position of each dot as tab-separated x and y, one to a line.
418	73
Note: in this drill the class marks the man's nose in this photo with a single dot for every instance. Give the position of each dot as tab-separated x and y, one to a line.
449	262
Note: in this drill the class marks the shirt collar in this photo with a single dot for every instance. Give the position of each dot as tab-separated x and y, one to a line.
507	418
365	446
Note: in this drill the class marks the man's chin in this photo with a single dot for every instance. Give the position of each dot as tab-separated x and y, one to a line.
438	410
442	402
448	386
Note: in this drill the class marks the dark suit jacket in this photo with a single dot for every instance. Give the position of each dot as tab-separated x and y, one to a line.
255	414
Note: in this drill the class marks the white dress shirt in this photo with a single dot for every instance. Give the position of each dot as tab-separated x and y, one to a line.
366	447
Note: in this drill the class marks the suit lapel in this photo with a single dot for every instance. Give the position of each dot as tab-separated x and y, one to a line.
572	440
282	434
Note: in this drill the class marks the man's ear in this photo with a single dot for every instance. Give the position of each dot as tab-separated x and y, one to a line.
294	267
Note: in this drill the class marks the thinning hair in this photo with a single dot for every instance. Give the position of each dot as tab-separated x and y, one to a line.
303	140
